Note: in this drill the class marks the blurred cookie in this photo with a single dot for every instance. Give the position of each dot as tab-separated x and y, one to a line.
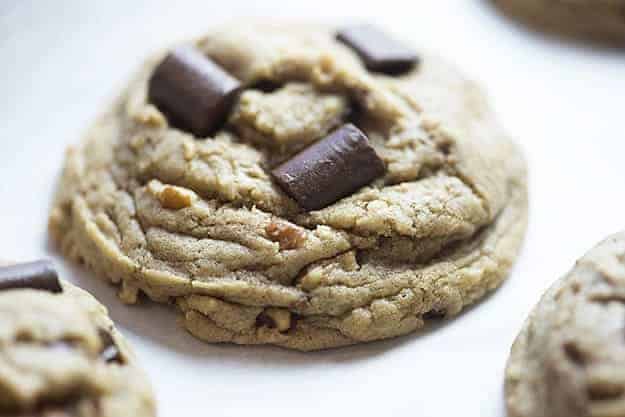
60	355
599	20
569	359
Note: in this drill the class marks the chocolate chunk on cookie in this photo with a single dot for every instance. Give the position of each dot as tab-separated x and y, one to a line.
193	91
330	169
38	275
378	51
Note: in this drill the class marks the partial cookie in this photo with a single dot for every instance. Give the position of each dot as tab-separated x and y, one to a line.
334	205
599	20
60	355
569	359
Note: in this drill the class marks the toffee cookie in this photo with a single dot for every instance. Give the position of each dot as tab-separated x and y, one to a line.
569	359
60	355
296	186
598	20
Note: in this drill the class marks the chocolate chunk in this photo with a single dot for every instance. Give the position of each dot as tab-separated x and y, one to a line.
193	92
39	275
378	51
330	169
110	352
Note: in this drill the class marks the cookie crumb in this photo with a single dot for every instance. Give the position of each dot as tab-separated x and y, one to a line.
174	198
289	236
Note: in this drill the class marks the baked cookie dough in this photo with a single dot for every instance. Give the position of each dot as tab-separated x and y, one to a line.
200	222
598	20
61	356
569	359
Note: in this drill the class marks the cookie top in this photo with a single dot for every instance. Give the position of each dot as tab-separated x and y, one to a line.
216	223
61	356
597	20
569	359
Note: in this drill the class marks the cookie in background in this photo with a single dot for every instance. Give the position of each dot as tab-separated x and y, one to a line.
569	359
601	21
60	354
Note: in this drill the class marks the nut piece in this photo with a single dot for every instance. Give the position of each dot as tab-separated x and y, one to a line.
174	198
289	236
277	318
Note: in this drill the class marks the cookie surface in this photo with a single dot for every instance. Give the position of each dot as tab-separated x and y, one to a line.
569	359
201	223
60	356
598	20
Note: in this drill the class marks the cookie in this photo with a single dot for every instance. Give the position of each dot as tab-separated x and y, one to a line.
352	191
60	355
597	20
569	359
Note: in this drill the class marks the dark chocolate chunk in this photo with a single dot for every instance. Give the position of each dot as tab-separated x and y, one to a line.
330	169
110	352
378	51
193	92
39	275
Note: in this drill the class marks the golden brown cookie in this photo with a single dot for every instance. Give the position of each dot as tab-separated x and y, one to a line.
199	220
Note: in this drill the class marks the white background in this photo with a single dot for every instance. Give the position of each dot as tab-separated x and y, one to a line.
62	61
